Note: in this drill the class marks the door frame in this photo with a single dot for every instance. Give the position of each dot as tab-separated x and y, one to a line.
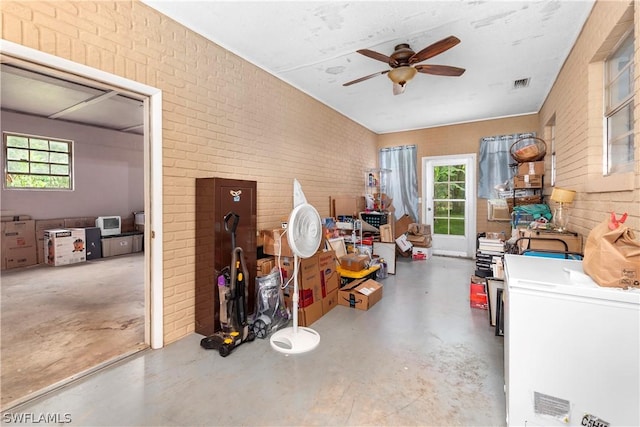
470	198
152	98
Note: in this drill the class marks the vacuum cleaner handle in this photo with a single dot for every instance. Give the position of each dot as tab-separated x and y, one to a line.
231	224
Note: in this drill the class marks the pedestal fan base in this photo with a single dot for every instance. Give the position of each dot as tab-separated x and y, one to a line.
289	341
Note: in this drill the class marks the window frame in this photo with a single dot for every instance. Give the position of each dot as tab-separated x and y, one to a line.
70	164
610	111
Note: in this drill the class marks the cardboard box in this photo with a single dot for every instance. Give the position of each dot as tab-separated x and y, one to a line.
420	253
275	243
80	222
386	235
403	243
305	298
18	234
361	294
309	314
7	218
402	225
354	262
330	301
416	228
329	276
423	240
309	276
527	181
531	168
18	244
19	257
478	293
41	226
265	265
286	268
308	279
64	246
346	205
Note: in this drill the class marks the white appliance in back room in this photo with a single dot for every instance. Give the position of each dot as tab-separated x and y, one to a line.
572	348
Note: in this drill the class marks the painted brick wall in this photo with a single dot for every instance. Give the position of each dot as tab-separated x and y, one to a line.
461	139
576	99
221	117
224	117
577	107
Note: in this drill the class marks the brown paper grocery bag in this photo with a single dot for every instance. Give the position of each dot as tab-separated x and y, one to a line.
612	255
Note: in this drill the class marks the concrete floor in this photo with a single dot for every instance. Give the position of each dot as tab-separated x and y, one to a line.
421	356
60	322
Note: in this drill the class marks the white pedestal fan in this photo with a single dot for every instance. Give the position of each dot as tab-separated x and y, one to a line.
304	234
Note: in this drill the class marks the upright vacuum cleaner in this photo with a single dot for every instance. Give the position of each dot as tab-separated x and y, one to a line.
234	294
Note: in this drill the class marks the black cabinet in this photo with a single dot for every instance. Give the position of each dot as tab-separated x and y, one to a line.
215	198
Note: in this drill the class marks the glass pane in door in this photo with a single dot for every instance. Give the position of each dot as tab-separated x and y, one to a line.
449	200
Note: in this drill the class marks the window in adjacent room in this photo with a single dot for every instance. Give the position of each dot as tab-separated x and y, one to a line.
36	162
619	144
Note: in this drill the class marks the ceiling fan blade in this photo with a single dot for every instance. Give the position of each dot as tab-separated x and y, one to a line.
378	56
398	89
440	70
434	49
361	79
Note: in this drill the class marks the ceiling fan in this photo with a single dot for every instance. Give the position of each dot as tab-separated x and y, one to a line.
402	62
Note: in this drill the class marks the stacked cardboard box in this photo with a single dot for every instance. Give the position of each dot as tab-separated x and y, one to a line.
275	242
530	176
318	282
400	236
18	244
420	237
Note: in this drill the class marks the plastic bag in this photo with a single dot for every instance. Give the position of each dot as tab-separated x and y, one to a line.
271	313
612	255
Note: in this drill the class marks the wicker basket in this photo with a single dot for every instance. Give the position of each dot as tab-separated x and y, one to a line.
529	149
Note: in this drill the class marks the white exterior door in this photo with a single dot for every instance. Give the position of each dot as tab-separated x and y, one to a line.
449	203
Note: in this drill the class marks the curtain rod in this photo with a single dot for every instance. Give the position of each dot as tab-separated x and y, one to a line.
403	147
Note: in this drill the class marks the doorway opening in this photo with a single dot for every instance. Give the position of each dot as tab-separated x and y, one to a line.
147	266
449	203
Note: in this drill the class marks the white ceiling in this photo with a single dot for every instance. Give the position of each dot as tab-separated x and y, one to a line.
40	94
312	46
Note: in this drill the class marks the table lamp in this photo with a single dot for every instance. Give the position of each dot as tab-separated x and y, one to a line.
561	214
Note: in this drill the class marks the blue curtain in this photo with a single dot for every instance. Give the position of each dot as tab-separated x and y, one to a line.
494	162
402	181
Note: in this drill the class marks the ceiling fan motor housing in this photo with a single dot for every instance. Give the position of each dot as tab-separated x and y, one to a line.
400	56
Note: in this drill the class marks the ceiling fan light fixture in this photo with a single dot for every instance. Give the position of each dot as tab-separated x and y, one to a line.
402	75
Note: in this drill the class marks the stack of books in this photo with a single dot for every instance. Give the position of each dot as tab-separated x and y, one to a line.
490	251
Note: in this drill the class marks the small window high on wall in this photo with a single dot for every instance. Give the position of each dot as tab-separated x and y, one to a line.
619	115
36	162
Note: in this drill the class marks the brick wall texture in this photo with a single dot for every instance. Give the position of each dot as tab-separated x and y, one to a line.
224	117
